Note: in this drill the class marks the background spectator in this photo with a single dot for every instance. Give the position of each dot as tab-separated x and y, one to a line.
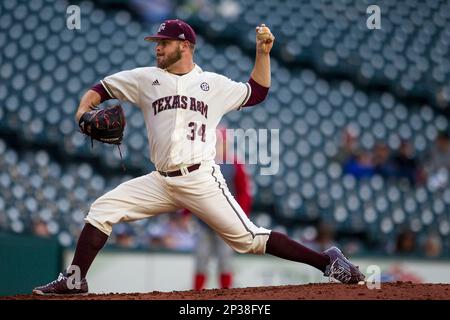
437	162
124	236
348	146
40	228
432	246
324	238
174	231
382	161
406	243
406	163
360	165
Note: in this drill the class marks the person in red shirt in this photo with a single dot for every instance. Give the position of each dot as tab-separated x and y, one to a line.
209	243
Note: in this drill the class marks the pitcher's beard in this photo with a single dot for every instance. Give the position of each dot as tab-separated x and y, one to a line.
169	60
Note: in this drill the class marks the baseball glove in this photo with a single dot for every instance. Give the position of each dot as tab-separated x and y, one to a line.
104	125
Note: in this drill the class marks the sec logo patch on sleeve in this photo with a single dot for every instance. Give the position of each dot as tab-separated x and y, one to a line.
204	86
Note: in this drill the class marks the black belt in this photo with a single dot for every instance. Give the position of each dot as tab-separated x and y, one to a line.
179	172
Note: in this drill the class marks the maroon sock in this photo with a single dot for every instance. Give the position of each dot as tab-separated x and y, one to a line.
89	244
281	246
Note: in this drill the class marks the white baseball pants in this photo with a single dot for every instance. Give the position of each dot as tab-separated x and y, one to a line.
203	192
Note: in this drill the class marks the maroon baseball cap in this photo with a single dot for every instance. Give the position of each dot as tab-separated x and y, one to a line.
173	30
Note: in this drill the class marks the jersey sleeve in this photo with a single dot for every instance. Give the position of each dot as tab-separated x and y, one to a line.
234	94
123	86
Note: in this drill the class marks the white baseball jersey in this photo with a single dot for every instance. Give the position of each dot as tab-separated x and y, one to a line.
181	112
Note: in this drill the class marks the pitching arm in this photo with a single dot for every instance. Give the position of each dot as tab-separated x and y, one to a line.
264	43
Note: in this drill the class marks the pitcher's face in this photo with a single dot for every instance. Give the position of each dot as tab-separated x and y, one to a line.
168	52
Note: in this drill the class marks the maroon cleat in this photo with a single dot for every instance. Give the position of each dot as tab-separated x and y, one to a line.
341	269
62	285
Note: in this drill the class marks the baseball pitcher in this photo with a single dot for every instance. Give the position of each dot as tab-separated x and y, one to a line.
182	106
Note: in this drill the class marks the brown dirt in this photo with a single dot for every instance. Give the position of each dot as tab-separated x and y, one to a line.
319	291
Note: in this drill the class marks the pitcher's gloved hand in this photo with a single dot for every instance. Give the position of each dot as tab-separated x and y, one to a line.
104	125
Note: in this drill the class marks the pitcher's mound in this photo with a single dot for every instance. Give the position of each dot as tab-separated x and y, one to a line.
318	291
